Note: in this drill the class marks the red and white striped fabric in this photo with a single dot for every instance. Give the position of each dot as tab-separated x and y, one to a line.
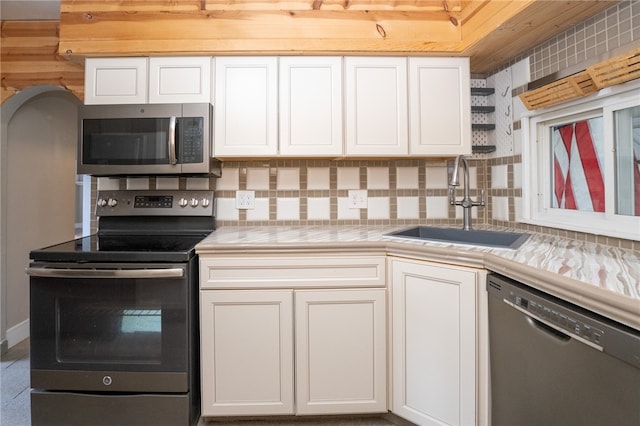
578	159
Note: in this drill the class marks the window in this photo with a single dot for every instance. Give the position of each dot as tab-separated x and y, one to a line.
581	164
627	158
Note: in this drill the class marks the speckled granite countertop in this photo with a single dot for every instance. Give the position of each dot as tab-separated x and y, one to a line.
600	278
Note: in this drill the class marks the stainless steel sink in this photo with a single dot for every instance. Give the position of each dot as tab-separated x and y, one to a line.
498	239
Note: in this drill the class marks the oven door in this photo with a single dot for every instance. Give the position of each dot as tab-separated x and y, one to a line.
120	328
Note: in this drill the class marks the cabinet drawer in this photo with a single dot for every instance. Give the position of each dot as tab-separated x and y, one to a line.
292	272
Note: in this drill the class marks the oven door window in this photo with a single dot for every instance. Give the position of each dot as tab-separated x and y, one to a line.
107	333
120	324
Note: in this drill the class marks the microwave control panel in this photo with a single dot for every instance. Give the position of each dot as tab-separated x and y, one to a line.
192	139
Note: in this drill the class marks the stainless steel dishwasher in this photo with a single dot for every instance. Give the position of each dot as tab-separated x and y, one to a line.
554	363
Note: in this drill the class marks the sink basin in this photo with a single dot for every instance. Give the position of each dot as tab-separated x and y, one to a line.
497	239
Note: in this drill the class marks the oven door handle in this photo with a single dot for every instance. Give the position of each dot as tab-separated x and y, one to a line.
36	271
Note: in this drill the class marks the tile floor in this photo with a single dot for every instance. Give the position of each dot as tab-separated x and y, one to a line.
14	384
15	399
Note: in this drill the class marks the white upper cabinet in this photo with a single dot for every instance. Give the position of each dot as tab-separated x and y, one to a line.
147	80
115	81
180	80
246	106
310	106
440	106
376	119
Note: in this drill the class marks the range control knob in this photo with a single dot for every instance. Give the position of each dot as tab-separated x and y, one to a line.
194	202
205	202
183	202
112	202
102	202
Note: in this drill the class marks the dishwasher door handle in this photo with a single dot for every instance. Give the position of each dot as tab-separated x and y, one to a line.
547	329
35	271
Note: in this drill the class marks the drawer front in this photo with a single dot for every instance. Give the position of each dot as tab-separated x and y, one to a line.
292	272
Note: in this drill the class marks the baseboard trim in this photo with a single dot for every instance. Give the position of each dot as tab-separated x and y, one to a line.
17	333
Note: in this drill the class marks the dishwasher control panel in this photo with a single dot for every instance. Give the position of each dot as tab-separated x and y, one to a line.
554	315
568	319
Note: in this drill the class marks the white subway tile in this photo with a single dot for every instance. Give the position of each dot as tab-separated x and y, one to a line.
288	209
198	183
139	183
260	210
378	208
436	177
348	178
288	178
499	176
318	178
377	178
226	209
318	209
408	208
500	207
344	212
258	178
108	184
229	180
407	178
437	208
167	183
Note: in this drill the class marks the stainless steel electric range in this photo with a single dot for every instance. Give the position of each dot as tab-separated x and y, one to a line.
114	316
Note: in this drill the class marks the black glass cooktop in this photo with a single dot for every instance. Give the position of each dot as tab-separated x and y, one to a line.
122	248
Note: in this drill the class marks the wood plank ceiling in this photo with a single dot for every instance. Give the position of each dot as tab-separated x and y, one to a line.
490	32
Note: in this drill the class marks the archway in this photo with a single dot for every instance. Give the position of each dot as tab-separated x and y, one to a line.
37	191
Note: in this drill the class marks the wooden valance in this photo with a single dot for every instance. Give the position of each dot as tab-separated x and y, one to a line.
617	70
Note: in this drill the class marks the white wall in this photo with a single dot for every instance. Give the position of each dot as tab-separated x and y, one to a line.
38	198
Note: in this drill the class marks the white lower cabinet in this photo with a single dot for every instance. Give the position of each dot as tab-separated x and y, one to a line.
293	350
340	351
247	352
435	354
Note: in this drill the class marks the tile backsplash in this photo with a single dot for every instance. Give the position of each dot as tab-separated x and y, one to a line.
315	192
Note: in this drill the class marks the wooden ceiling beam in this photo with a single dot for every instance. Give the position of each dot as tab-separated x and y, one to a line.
233	32
490	32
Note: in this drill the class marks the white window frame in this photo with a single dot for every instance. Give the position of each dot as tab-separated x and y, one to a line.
536	164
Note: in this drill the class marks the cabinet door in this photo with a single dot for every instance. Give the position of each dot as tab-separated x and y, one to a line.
180	80
376	118
310	106
440	105
434	350
340	351
115	81
247	352
246	106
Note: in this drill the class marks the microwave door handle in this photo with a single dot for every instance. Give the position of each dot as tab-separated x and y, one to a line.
172	141
35	271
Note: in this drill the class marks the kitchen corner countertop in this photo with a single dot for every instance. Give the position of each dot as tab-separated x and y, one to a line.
603	279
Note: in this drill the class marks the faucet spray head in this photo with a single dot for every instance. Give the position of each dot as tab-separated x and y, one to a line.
455	180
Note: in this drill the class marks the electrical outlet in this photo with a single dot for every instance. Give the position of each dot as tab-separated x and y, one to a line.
245	200
357	198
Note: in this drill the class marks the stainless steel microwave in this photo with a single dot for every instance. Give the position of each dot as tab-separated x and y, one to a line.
145	139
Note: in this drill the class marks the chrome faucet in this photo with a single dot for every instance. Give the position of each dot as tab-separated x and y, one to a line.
466	201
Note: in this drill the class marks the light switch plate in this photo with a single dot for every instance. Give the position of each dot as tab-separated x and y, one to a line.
245	200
